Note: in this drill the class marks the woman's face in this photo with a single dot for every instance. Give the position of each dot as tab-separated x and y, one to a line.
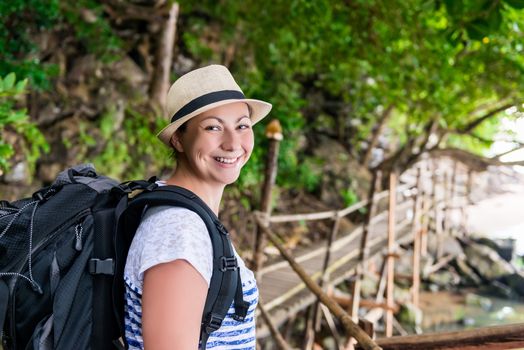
217	143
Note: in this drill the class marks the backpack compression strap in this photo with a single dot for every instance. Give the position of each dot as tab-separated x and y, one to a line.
225	282
4	297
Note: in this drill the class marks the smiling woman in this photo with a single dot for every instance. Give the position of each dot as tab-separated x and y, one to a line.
170	262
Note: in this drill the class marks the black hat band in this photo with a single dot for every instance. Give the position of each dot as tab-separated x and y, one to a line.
205	100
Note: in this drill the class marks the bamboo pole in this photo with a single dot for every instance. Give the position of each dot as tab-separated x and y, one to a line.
488	338
445	211
391	250
452	195
425	215
325	274
332	214
364	249
313	324
351	328
467	201
416	239
280	341
274	134
332	326
436	210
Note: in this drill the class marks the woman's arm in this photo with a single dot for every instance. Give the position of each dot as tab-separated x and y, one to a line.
173	300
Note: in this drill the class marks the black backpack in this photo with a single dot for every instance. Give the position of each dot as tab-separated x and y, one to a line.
62	258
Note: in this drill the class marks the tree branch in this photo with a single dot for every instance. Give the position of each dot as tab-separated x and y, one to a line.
377	131
471	126
520	146
473	161
164	57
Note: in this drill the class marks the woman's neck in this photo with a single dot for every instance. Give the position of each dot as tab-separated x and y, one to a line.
211	194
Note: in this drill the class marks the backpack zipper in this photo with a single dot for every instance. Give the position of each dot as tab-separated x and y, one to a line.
12	285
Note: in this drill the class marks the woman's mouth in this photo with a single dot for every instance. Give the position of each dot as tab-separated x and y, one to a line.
226	160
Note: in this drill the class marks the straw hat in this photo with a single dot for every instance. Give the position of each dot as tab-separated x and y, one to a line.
201	90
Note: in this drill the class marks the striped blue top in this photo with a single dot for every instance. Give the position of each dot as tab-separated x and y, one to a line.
169	233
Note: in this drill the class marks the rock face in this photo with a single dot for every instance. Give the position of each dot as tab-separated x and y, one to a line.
341	173
487	262
468	277
515	281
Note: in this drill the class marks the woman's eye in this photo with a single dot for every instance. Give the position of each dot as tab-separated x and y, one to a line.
212	128
244	126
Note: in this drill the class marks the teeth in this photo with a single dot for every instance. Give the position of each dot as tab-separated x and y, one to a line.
226	160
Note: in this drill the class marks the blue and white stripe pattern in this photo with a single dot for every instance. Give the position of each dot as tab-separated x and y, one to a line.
231	335
234	334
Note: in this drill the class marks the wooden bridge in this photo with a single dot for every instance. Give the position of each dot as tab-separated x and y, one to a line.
417	205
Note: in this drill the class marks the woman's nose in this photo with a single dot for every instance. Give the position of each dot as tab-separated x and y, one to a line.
231	140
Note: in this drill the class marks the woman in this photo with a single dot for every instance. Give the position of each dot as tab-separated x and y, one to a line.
169	265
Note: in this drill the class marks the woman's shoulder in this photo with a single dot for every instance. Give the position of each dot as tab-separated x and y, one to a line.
169	213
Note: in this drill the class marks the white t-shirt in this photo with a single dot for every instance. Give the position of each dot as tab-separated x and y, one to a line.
169	233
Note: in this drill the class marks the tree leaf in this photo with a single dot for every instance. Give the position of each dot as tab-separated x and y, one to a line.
495	19
518	4
454	7
478	29
9	81
20	86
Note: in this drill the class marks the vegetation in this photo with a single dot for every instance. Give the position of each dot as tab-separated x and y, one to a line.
404	76
15	121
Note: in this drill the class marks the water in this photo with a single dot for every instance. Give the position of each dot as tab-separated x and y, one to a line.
491	312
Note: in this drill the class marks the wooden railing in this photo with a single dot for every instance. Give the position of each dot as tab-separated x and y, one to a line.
431	197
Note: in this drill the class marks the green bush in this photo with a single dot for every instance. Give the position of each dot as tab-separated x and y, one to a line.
16	120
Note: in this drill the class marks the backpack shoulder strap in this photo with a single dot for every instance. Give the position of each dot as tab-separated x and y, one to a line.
225	280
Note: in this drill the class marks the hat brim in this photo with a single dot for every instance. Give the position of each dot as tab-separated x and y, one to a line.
259	109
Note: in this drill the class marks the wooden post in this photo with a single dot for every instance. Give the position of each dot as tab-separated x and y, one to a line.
469	186
416	238
452	199
425	215
279	340
487	338
274	134
445	209
313	324
325	275
436	210
364	249
352	329
467	201
391	251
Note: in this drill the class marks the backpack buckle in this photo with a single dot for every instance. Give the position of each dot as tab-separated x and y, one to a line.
212	323
228	263
241	309
101	267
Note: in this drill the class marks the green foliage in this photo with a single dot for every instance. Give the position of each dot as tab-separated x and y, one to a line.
15	120
349	196
129	152
18	53
26	20
92	29
329	67
431	60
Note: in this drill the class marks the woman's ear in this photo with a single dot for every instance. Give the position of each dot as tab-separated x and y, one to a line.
175	142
